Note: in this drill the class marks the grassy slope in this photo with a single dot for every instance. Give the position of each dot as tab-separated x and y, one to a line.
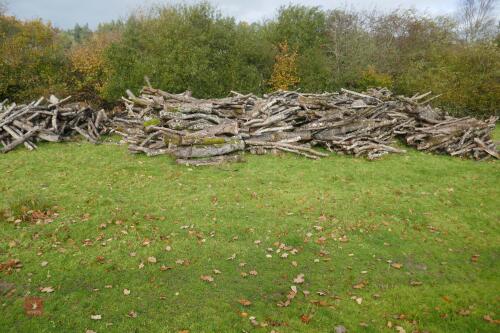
430	213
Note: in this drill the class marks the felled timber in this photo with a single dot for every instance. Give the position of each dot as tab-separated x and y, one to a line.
51	120
346	122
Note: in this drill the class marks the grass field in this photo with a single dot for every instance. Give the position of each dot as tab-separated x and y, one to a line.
407	243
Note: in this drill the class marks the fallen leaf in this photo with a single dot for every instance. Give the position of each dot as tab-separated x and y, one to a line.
47	290
216	271
491	320
244	302
11	264
207	278
340	329
168	248
299	279
96	317
254	273
358	300
360	285
400	329
132	314
464	312
126	292
152	260
396	265
305	319
44	263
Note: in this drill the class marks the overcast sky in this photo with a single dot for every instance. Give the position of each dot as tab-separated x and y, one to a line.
66	13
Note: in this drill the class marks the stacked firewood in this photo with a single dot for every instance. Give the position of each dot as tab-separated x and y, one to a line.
200	132
50	120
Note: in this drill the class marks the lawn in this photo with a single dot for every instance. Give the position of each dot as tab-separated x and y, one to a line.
407	243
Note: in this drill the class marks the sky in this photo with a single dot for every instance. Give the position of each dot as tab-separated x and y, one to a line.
66	13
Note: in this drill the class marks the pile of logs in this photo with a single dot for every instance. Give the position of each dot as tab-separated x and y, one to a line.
200	132
50	120
213	131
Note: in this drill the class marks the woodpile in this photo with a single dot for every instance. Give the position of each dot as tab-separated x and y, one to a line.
203	132
50	120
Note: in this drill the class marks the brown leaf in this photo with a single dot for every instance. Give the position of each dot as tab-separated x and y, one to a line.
305	318
400	329
464	312
132	314
207	278
126	292
491	320
152	260
47	290
299	279
244	302
360	285
11	264
396	265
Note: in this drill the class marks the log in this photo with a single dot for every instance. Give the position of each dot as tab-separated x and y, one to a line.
185	152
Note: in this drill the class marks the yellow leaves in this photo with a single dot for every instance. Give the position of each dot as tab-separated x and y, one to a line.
284	74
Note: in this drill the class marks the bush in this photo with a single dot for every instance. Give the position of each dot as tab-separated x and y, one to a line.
186	48
33	60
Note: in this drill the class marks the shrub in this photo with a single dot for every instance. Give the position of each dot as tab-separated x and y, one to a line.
33	60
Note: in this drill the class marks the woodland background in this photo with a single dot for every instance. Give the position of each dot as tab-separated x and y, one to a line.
196	48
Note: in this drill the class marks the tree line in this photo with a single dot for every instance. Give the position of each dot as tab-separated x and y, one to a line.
195	47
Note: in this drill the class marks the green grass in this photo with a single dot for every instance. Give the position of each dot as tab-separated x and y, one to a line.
429	213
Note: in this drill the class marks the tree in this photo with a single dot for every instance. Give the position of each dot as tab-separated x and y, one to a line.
477	19
284	74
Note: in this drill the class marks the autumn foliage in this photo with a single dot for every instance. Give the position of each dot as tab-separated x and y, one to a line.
285	73
88	70
196	48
